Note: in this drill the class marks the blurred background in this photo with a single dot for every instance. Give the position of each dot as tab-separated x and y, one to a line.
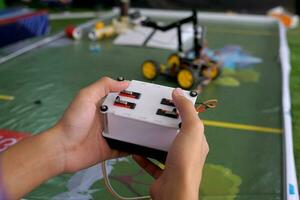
245	6
60	21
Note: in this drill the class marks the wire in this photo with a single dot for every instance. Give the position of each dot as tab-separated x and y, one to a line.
212	103
112	191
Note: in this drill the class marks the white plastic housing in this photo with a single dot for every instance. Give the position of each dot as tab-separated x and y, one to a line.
142	126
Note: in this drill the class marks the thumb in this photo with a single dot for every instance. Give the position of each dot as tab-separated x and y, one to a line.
106	85
102	87
185	107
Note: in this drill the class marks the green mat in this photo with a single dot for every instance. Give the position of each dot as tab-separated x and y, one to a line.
242	164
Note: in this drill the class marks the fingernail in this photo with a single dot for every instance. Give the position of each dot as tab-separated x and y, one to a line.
178	91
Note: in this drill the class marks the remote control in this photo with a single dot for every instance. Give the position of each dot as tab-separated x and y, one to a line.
142	119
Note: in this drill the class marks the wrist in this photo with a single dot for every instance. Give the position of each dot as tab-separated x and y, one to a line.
179	186
51	145
31	162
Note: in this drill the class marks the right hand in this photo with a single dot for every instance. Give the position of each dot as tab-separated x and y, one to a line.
183	169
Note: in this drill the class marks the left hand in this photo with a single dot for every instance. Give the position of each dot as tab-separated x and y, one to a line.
80	129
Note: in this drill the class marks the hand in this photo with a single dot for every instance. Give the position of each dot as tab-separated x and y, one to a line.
74	143
80	128
183	169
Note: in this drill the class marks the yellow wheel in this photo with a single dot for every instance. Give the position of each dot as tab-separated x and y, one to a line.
212	71
150	69
185	78
173	64
173	60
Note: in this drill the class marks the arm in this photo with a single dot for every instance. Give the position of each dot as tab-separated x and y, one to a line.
183	169
74	143
31	162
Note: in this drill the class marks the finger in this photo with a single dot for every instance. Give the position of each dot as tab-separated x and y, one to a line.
108	85
148	166
185	107
102	87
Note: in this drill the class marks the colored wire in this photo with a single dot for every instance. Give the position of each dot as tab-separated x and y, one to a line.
212	103
112	191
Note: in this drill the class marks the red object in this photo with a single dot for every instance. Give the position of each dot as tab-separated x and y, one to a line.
69	31
201	109
9	138
127	95
73	32
122	105
130	94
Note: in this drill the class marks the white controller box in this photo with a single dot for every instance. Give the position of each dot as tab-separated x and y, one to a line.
142	119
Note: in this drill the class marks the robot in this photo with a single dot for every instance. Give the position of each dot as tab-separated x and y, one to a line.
186	67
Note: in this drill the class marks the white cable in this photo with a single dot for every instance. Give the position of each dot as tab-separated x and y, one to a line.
112	191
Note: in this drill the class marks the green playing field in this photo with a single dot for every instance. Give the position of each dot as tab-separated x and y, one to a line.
245	159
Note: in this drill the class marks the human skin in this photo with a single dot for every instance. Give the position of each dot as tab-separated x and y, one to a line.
75	142
182	174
